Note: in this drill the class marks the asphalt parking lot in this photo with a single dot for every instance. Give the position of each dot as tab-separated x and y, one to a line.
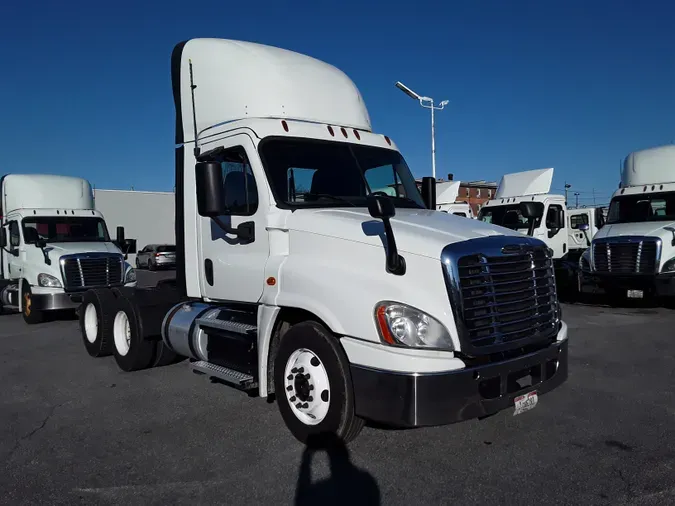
77	430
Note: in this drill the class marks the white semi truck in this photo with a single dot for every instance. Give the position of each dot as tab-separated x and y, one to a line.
446	200
633	255
296	280
54	245
568	232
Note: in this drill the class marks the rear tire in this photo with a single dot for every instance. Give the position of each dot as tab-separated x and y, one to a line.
131	351
30	316
151	266
313	386
96	315
163	355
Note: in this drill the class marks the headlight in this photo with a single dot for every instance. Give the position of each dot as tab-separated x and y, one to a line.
130	275
400	324
669	266
585	261
48	281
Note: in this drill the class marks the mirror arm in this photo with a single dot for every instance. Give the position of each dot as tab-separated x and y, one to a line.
395	262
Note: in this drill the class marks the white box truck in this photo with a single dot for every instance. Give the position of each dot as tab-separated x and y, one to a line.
296	280
54	245
633	255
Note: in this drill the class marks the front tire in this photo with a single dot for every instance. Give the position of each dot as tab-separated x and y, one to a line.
96	315
313	384
30	316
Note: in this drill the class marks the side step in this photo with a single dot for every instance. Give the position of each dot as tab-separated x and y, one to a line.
233	327
237	379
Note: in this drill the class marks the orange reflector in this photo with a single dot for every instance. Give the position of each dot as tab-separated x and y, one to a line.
356	133
387	139
384	328
344	132
330	131
285	125
271	281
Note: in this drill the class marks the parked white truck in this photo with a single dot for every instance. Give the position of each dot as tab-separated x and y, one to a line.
446	200
633	255
54	245
567	232
294	278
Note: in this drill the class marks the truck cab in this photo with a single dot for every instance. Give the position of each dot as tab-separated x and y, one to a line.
633	255
54	245
532	186
310	268
446	200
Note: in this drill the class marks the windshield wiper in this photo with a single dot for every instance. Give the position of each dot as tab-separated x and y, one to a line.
329	196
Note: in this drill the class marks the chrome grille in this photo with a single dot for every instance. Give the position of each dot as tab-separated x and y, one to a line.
91	270
505	295
626	255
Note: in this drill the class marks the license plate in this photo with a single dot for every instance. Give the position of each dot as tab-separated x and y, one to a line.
635	294
525	402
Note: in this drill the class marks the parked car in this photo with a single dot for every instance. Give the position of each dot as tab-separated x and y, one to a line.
155	256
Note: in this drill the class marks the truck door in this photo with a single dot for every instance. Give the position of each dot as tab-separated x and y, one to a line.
556	230
12	257
577	238
231	268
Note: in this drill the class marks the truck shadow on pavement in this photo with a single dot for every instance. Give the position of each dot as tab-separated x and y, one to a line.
347	484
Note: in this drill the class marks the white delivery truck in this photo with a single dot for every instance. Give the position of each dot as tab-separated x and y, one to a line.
446	200
54	245
295	279
633	255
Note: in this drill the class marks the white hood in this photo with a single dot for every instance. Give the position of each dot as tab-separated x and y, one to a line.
56	249
417	231
645	228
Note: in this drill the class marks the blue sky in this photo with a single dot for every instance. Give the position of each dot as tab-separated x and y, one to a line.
574	85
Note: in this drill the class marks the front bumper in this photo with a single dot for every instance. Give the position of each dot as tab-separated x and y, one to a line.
416	400
659	285
54	301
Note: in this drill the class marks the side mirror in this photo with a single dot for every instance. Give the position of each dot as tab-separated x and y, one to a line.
583	227
120	236
210	194
429	192
382	207
3	238
532	210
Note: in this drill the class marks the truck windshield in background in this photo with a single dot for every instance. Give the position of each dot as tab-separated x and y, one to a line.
504	216
311	173
64	229
643	207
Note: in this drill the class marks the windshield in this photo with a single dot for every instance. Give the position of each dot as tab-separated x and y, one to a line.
642	207
505	216
311	173
64	229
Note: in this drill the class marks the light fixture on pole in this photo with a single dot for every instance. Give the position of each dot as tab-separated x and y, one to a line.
427	103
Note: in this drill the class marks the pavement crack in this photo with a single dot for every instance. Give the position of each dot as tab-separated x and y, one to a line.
630	493
30	434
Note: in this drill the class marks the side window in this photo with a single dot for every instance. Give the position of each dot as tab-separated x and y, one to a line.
384	179
241	192
460	214
14	234
578	219
554	209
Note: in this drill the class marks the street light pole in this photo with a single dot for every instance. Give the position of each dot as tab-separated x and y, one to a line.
427	103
